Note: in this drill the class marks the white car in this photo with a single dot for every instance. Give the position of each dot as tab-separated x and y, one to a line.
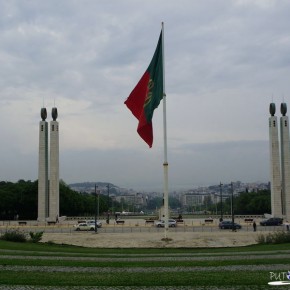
84	227
161	223
92	222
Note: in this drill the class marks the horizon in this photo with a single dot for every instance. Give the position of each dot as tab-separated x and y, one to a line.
151	189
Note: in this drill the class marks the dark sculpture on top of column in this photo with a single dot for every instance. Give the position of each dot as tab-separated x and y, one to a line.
43	114
283	109
54	113
272	109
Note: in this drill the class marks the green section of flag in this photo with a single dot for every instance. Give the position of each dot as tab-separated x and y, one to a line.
155	84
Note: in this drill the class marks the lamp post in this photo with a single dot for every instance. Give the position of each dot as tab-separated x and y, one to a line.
216	210
96	228
221	195
108	216
232	208
98	212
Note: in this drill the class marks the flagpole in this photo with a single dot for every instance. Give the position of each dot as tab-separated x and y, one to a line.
165	163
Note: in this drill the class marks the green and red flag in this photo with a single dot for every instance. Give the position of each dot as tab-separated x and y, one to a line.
147	94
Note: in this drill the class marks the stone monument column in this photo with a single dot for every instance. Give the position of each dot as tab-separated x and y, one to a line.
43	198
285	161
275	176
54	168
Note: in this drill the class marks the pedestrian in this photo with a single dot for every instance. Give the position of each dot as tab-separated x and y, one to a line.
254	226
287	226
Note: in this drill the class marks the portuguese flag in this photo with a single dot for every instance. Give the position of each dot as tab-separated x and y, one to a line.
147	94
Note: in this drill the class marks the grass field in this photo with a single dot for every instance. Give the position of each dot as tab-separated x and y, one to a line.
51	266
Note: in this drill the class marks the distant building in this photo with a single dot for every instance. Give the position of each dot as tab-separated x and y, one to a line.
192	199
136	199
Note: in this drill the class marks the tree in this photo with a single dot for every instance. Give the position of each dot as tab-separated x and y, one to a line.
20	200
154	203
247	203
174	202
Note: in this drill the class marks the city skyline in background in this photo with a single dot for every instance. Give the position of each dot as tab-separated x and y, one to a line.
107	188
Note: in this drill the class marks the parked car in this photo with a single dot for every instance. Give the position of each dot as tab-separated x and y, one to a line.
161	223
92	222
229	225
272	222
84	227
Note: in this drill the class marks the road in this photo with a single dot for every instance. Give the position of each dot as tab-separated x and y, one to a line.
131	227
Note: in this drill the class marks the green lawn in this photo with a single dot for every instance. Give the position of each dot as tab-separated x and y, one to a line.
63	265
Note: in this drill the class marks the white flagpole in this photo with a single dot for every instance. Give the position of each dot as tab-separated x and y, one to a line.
165	163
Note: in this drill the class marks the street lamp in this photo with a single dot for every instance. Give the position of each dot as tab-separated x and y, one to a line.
221	195
108	216
232	207
98	212
216	210
96	228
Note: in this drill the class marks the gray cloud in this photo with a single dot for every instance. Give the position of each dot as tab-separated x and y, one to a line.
224	60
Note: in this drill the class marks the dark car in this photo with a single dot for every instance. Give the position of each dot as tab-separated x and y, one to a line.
229	225
272	222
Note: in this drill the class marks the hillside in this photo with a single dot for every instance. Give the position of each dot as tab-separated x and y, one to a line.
89	187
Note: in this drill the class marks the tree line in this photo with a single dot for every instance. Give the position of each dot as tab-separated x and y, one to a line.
19	200
246	203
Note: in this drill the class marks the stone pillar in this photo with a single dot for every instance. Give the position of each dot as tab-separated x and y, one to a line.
275	176
285	162
54	168
43	198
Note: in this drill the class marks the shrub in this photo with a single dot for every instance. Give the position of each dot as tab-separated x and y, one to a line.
14	235
274	238
50	243
260	239
35	237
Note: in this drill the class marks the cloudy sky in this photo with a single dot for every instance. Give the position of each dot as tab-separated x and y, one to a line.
225	61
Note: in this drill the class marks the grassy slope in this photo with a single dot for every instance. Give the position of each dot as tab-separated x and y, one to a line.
216	277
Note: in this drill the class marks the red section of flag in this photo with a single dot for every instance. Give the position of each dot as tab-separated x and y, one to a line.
135	104
147	94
